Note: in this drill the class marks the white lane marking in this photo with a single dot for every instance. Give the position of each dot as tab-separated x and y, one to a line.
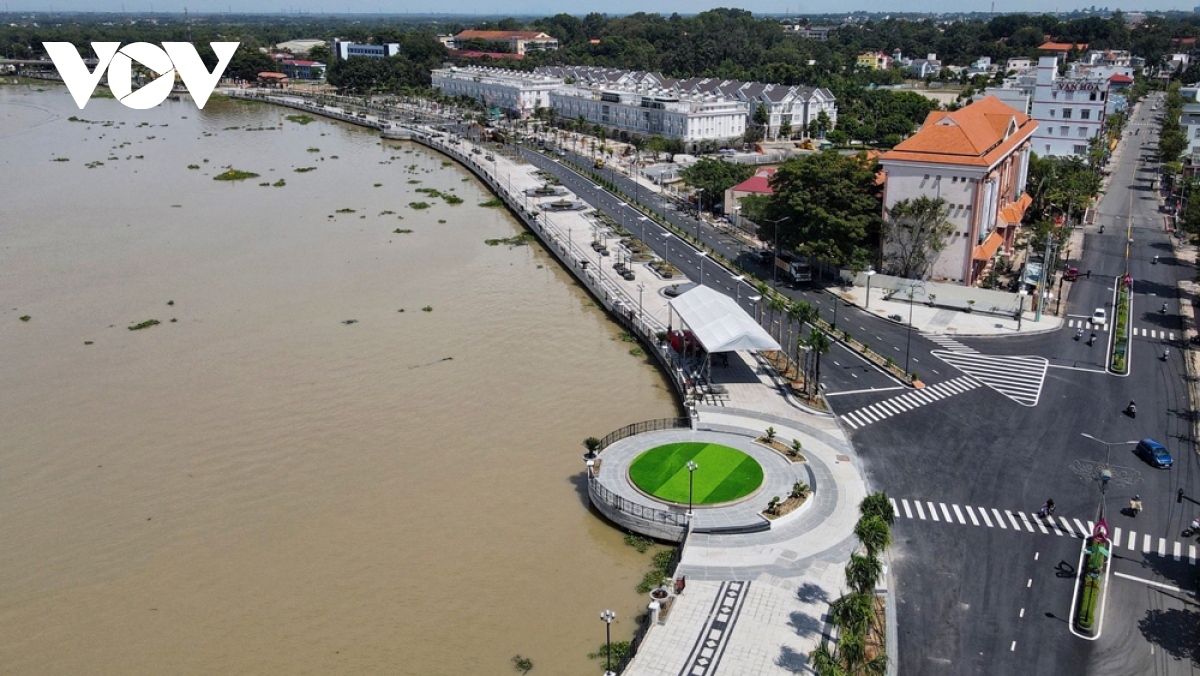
971	513
1082	530
1132	543
1146	544
1178	553
945	511
920	511
1116	540
1192	554
933	512
983	513
1013	519
907	511
958	513
1152	583
1162	547
999	518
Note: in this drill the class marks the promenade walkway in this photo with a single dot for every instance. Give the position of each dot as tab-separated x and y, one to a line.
755	603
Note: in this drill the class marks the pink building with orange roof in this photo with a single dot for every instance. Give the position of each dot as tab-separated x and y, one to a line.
977	160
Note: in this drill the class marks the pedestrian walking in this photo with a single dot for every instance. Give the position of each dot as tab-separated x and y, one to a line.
1089	274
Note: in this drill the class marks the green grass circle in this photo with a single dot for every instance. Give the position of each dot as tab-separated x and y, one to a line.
724	474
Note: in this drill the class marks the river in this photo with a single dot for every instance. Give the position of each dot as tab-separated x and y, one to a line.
254	485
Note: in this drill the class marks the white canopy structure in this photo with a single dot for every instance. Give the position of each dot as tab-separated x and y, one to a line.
719	324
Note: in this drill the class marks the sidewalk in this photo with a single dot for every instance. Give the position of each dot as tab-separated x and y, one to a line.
932	320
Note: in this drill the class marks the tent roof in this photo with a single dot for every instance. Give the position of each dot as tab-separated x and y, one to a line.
719	324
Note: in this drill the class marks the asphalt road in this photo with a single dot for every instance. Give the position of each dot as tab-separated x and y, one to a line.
980	600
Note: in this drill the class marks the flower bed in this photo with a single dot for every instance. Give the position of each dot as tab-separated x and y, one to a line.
1121	336
1091	594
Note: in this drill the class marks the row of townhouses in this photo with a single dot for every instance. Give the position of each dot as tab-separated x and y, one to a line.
636	102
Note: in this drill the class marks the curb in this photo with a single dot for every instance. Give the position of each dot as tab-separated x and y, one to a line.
1013	334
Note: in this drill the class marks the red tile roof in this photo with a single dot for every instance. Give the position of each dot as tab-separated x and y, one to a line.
988	248
758	184
501	35
1121	79
471	54
1062	46
979	134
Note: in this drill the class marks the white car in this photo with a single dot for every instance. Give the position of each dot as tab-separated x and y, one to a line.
1099	316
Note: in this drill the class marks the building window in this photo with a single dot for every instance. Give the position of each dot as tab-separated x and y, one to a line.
1083	132
1085	114
1080	150
1064	131
1070	96
1197	134
1093	97
1066	113
1049	132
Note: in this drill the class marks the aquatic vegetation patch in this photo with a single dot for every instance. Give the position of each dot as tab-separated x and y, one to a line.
144	325
234	175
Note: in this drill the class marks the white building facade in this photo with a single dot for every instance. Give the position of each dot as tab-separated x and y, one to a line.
651	112
1069	110
515	92
344	50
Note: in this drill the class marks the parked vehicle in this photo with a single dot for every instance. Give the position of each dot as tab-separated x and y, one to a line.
1099	316
794	268
1071	274
599	164
1154	453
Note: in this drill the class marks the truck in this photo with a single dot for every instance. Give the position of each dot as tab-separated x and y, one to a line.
794	268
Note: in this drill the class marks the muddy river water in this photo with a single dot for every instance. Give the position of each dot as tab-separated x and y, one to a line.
254	485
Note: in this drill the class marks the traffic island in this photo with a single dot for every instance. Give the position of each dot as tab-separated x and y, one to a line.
1090	587
1122	319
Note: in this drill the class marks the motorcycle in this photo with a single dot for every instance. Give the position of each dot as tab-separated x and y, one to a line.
1131	410
1079	334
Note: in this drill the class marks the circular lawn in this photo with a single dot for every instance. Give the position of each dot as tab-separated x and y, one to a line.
723	473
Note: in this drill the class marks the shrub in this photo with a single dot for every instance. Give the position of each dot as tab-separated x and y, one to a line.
770	434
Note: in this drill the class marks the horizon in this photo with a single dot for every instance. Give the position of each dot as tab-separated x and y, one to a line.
533	9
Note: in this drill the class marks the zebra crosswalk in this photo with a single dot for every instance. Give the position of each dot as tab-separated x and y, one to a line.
1024	522
881	410
948	343
1016	377
1153	333
1087	324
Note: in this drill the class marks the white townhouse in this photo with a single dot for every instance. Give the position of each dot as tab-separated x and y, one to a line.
650	112
515	92
1069	110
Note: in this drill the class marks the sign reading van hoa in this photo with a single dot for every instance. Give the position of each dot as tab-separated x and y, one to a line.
166	61
1078	86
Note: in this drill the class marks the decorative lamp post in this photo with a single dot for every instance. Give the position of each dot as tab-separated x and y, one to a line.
1106	469
641	287
754	299
737	285
691	468
666	236
870	274
608	616
702	255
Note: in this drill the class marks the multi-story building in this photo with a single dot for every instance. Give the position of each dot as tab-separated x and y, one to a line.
652	111
300	69
515	92
519	42
926	67
1018	65
1069	110
873	61
344	50
819	33
798	106
977	160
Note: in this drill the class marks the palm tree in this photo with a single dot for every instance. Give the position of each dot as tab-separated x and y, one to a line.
862	573
778	305
764	292
874	534
877	504
592	444
823	661
852	614
793	314
818	342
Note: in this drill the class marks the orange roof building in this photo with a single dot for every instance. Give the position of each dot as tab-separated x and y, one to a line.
519	41
976	160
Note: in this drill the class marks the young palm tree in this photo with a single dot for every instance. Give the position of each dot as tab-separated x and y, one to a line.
823	661
778	306
862	573
852	614
797	317
764	292
877	504
874	534
592	444
818	342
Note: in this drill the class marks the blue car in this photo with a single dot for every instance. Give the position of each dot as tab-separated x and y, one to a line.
1154	453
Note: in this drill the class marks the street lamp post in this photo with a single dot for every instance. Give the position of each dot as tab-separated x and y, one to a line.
642	221
908	341
870	274
1106	469
754	299
702	255
641	287
737	285
608	616
691	468
666	236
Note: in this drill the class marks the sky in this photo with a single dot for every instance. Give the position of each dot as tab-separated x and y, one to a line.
579	7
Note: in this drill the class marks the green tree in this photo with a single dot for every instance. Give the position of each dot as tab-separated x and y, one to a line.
785	129
862	573
715	177
877	504
874	534
819	343
914	233
320	53
831	206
